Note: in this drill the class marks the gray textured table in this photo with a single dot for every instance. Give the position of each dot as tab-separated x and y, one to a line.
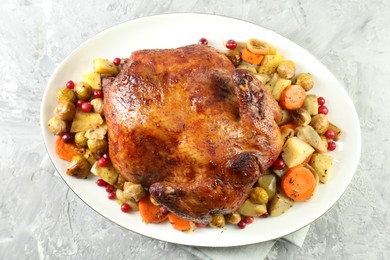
42	219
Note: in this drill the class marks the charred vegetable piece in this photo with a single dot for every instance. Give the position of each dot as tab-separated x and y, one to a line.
79	167
66	95
83	91
58	126
279	205
65	110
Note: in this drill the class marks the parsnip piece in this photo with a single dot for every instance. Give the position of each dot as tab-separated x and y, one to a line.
93	79
321	163
295	151
310	136
106	67
85	121
279	86
311	104
279	205
270	63
250	209
107	173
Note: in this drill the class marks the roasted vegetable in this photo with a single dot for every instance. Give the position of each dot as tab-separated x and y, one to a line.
133	190
251	57
66	95
258	195
97	146
263	78
85	121
260	47
298	183
286	69
270	63
292	97
320	123
89	156
279	205
107	173
97	133
310	136
295	151
336	130
83	91
249	208
65	110
93	79
285	117
98	106
279	86
306	81
233	218
80	139
268	183
300	117
79	167
125	199
218	221
106	67
58	126
311	104
234	56
321	163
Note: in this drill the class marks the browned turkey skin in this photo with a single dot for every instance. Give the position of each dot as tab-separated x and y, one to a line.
191	128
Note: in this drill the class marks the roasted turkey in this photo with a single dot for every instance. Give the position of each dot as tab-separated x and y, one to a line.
188	126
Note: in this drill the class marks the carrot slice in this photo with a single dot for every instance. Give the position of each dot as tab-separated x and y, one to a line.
66	151
179	223
298	183
292	97
251	57
150	213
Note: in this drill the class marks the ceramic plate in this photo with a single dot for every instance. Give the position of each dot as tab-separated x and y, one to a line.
175	30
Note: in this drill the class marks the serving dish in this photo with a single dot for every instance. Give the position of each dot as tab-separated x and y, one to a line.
175	30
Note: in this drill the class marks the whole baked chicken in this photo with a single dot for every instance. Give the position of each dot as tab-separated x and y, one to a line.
191	128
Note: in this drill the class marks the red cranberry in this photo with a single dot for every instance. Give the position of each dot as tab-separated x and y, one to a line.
323	110
116	61
241	224
125	207
110	188
111	195
200	225
101	183
203	41
265	215
97	93
278	164
79	103
107	157
249	220
70	84
164	210
86	107
102	162
68	138
331	146
330	134
231	44
321	101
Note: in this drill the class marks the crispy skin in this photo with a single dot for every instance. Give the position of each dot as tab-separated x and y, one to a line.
190	127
